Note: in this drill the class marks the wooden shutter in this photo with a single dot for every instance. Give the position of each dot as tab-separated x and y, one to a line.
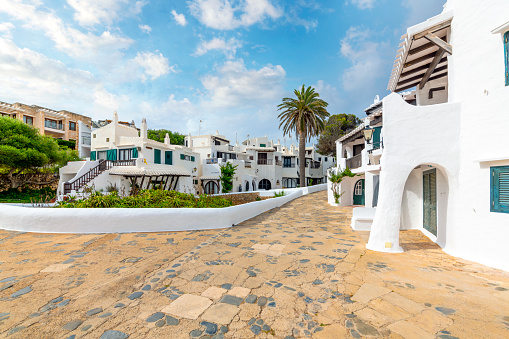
157	156
506	51
500	189
92	156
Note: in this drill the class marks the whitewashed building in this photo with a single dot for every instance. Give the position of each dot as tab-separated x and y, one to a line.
124	157
445	163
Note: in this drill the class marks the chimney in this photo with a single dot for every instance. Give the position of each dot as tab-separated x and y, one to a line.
143	129
167	139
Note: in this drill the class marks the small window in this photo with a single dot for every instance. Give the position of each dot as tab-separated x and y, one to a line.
72	125
28	120
500	189
107	139
326	159
192	158
93	135
263	145
319	159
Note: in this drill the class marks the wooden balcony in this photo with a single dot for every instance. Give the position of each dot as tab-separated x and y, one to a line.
354	162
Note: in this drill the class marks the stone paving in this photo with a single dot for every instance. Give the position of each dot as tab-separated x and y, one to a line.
294	272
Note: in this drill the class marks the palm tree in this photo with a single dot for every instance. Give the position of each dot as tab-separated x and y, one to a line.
305	115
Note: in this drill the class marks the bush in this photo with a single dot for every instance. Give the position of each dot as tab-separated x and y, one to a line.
279	194
148	199
25	194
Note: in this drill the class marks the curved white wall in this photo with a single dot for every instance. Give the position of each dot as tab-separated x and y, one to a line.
126	220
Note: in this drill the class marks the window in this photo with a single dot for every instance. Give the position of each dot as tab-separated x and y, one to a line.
319	159
107	139
358	188
506	51
211	187
125	154
93	136
263	145
264	184
72	126
53	124
500	189
326	159
28	120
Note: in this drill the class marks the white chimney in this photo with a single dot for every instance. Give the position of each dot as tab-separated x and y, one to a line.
167	139
143	129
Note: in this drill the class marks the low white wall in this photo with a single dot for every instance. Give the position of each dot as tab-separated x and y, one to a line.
126	220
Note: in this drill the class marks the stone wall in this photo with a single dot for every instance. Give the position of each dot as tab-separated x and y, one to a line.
47	178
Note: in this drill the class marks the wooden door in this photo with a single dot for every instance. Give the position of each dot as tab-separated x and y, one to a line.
358	193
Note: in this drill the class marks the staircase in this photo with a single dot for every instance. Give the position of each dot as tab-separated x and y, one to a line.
94	172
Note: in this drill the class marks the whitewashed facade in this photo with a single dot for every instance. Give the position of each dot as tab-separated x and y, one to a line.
445	162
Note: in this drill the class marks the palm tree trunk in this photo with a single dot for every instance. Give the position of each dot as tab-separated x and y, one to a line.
302	159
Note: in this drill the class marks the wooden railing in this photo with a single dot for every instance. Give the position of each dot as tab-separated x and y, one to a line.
264	161
103	165
354	162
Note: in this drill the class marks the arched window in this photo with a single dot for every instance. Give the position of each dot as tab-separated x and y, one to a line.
358	188
264	184
211	187
247	186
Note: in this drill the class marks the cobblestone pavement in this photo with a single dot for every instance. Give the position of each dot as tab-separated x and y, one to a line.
296	271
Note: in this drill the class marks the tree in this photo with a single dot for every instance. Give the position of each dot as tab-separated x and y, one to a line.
306	116
337	126
227	173
335	178
159	134
23	150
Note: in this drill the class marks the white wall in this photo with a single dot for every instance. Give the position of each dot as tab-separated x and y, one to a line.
125	220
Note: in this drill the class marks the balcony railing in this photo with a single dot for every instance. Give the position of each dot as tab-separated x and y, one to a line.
315	165
354	162
53	124
265	162
289	165
376	145
86	141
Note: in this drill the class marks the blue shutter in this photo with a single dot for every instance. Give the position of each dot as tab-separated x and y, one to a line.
92	156
506	50
500	189
135	152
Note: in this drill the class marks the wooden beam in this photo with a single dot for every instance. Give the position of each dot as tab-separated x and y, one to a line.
166	182
432	29
400	89
419	77
420	68
421	59
439	42
176	182
423	47
432	67
142	180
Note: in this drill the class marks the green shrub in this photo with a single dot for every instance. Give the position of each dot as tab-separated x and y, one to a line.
25	194
147	199
279	194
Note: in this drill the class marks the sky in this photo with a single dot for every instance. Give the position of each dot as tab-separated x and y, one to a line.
227	63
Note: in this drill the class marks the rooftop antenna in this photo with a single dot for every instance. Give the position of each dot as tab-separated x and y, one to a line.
199	128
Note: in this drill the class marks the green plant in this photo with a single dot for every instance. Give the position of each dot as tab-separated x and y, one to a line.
279	194
306	116
335	178
258	198
19	195
111	187
227	173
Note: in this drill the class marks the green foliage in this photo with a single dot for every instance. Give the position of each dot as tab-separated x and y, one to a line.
23	149
66	143
306	116
147	199
227	173
335	178
337	126
279	194
159	134
26	194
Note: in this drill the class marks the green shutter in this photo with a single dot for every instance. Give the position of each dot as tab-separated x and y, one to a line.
182	157
263	145
111	155
135	152
506	51
168	158
500	189
157	156
192	158
92	156
376	137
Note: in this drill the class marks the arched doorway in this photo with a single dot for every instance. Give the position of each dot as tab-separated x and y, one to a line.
264	184
358	193
211	187
247	186
254	185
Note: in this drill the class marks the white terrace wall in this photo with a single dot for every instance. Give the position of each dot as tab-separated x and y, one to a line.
126	220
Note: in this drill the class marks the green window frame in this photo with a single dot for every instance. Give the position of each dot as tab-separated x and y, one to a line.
506	54
499	190
263	145
157	156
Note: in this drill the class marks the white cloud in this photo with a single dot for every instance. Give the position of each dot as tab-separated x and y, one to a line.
92	12
5	29
235	85
154	65
102	49
145	28
179	18
229	48
364	4
231	14
31	77
366	58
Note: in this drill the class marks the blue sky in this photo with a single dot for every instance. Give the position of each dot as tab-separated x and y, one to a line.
225	62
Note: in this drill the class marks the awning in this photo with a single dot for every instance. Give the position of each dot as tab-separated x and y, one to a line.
423	54
150	170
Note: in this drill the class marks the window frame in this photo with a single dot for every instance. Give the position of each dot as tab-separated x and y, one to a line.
495	205
72	126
